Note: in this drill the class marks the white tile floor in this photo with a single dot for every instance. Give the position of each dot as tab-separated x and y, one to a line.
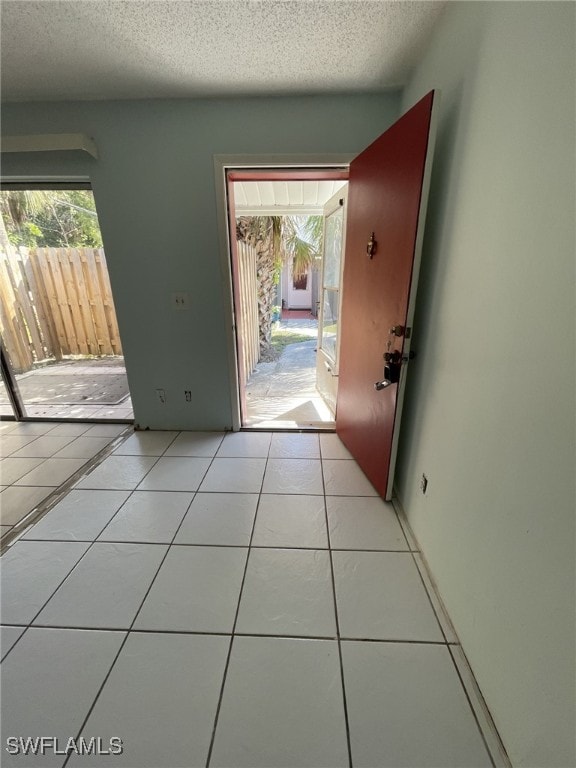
122	411
36	458
240	600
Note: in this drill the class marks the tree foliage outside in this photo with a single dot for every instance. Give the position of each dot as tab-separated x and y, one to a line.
50	218
278	240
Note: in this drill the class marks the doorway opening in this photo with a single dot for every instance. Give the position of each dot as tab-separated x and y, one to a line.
61	351
276	226
387	194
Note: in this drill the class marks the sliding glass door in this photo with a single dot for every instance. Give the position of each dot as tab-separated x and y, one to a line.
62	354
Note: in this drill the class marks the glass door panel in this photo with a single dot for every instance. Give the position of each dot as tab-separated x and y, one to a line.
328	341
58	320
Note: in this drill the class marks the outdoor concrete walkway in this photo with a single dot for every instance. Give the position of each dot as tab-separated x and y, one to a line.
283	393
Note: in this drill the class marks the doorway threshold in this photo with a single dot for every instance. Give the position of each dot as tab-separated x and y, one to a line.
276	425
289	413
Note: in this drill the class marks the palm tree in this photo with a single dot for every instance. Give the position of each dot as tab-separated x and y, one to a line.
14	208
300	241
49	218
278	240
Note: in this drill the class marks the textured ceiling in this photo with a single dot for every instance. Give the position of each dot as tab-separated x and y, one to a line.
118	49
283	197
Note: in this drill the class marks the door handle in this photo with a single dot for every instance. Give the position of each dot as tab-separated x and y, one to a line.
391	371
392	366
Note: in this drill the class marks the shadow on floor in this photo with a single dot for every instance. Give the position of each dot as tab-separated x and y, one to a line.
82	388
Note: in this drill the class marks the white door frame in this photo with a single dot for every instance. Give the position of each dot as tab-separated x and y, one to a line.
326	367
222	164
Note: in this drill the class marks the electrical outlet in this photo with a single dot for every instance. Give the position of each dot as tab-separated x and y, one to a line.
161	394
188	395
423	483
180	300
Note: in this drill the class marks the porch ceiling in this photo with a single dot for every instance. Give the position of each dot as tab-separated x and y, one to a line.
278	198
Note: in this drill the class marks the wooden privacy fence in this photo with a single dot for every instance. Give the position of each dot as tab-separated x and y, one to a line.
247	312
56	302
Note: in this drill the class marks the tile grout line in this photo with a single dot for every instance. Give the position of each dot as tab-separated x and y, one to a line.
474	715
130	494
434	611
109	521
128	632
133	630
409	544
99	691
39	437
337	618
113	444
413	554
440	614
30	624
446	641
54	499
202	544
90	546
44	460
59	493
490	726
233	633
65	489
71	482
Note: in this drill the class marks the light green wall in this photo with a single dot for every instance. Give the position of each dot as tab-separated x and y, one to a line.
155	193
490	414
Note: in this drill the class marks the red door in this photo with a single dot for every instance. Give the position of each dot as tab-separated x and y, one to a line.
387	195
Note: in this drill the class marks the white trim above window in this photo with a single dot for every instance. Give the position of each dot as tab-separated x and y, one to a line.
50	142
